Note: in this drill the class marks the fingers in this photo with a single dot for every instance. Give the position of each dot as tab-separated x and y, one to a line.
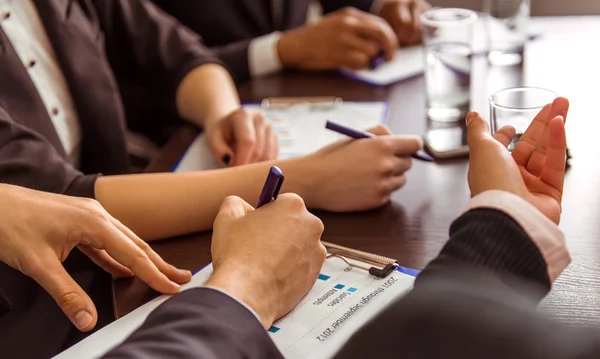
179	276
380	130
74	302
505	135
531	148
376	29
271	144
106	262
396	182
404	145
364	46
220	148
245	137
259	130
274	146
477	129
130	254
417	8
554	171
405	28
233	207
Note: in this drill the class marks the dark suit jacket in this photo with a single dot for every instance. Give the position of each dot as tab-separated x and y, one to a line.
228	26
95	41
475	300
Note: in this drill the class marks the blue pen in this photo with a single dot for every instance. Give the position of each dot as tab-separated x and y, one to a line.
271	187
350	132
377	60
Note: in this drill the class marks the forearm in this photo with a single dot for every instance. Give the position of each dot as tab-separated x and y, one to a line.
206	94
164	205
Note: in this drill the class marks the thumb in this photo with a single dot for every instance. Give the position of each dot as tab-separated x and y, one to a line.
220	148
69	296
233	207
477	129
380	130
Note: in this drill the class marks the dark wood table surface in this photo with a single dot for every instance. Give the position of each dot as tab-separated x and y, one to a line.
414	226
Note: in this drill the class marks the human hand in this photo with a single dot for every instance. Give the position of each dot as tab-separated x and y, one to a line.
275	249
536	169
244	136
404	18
346	38
355	175
34	242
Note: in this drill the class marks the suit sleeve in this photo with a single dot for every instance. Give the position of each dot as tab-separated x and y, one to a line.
198	323
334	5
27	159
235	58
477	299
150	48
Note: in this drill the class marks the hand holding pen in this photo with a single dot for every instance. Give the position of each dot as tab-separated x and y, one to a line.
357	134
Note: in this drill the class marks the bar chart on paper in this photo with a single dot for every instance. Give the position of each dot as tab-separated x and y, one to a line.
341	301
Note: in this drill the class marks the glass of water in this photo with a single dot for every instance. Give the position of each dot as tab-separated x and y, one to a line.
517	107
447	35
507	22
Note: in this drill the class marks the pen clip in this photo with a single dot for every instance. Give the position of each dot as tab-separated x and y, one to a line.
278	187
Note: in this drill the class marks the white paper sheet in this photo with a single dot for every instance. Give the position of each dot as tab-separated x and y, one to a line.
301	130
341	301
407	63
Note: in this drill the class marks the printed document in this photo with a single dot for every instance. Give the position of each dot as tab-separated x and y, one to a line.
342	300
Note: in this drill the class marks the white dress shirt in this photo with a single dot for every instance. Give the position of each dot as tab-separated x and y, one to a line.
263	57
22	24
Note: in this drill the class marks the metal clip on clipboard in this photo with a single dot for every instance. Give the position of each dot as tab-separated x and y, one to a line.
325	102
381	266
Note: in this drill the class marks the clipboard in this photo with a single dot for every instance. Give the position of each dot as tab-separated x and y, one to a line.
336	284
300	125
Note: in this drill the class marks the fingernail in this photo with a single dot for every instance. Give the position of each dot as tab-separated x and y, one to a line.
185	272
82	319
470	116
226	159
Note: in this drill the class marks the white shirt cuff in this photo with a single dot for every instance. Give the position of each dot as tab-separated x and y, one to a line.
236	299
263	58
544	233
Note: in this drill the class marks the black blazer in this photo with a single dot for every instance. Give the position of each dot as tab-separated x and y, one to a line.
228	26
95	41
467	303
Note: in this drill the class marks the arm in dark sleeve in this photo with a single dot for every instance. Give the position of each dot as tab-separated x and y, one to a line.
27	159
198	323
149	47
235	58
476	300
334	5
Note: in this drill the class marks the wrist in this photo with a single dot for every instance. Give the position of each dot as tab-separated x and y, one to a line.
302	178
253	291
287	50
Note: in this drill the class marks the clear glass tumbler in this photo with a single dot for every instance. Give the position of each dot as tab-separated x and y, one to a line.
506	22
447	38
517	107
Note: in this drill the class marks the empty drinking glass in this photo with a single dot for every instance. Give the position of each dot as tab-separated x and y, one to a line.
517	107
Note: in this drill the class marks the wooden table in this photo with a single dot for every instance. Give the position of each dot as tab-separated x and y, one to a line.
414	227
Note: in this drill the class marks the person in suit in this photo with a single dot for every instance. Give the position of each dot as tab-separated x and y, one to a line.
256	38
62	130
476	299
